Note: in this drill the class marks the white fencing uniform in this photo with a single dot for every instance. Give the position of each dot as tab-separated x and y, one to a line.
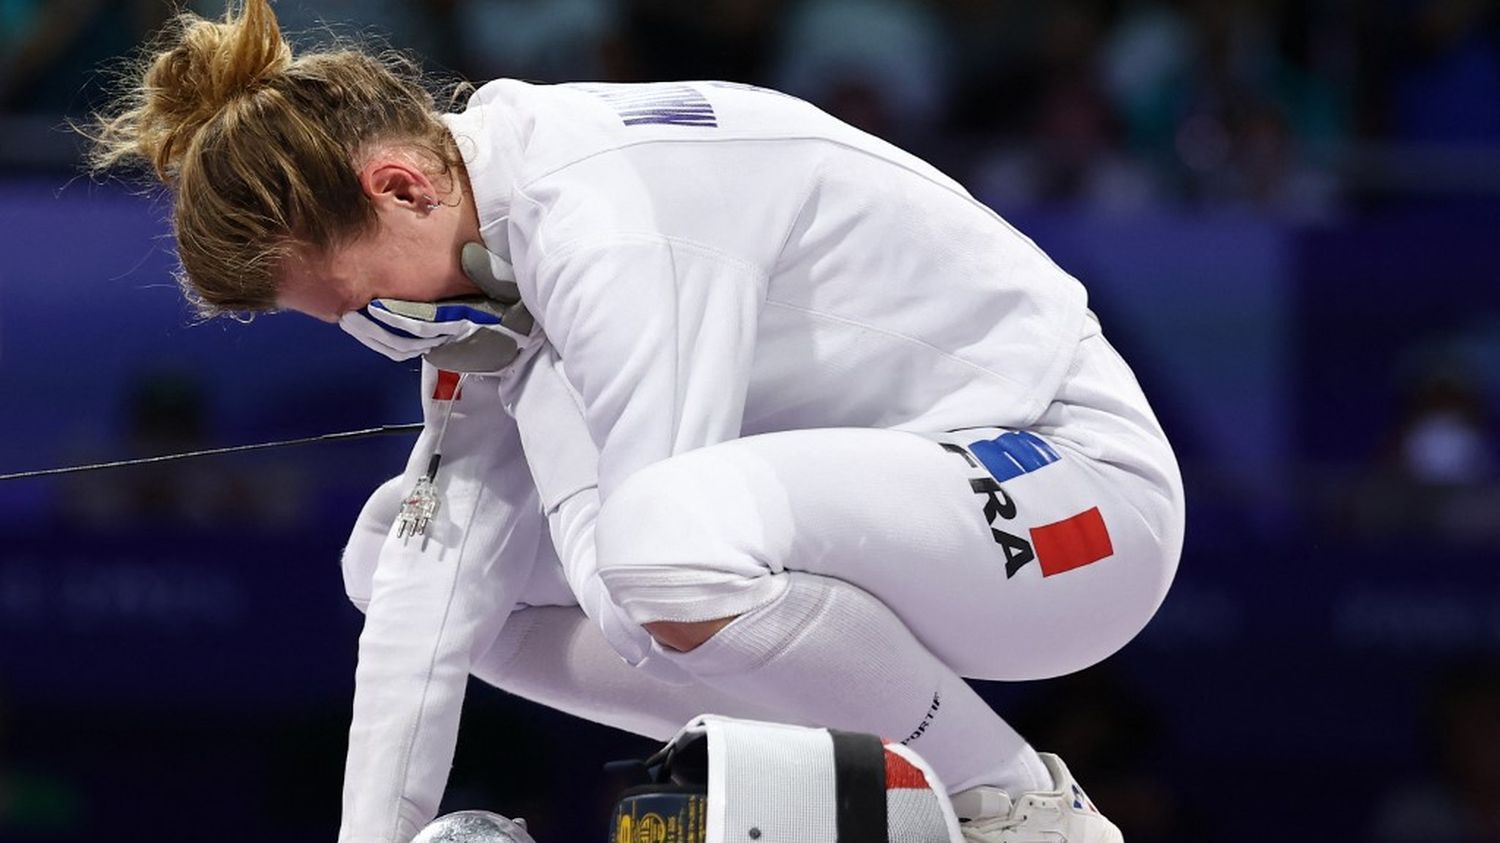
780	354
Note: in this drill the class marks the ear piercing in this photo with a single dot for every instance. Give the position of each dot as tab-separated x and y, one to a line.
432	204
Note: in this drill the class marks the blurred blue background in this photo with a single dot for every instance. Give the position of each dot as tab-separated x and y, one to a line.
1286	213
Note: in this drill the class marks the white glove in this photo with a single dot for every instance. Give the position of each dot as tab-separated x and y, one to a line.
476	334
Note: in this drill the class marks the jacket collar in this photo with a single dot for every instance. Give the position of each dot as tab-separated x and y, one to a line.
491	146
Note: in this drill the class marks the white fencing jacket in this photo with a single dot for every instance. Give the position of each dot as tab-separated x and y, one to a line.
707	260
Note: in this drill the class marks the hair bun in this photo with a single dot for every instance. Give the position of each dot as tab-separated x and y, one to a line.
202	68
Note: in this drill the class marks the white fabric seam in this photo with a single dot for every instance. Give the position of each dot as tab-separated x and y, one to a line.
562	500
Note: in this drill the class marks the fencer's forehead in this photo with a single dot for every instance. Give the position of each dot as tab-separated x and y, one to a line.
313	284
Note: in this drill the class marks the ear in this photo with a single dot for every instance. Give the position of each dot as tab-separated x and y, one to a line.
396	183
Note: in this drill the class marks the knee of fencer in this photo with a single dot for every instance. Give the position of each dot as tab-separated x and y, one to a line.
667	549
362	551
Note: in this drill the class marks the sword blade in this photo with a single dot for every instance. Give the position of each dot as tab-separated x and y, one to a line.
383	430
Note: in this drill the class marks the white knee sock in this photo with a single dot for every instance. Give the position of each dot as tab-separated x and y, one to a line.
834	655
556	656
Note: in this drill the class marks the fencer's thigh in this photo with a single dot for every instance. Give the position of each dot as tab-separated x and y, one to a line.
1011	555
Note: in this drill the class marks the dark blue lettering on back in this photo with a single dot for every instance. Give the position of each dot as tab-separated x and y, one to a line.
659	104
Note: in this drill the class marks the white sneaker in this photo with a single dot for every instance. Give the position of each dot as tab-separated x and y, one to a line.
1063	815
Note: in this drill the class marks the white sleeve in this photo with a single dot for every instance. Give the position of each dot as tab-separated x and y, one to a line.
434	605
564	463
653	339
657	335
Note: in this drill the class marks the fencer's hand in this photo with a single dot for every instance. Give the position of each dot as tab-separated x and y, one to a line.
471	334
474	334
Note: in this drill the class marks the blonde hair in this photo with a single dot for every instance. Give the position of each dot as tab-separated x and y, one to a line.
260	147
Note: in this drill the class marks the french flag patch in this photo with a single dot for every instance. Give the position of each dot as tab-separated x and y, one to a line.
1072	542
447	387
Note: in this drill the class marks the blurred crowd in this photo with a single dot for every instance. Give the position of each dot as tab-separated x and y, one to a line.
1297	108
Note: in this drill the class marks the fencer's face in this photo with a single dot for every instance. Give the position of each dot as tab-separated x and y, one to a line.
395	262
412	254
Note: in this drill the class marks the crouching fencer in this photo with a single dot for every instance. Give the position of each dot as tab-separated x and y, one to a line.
758	409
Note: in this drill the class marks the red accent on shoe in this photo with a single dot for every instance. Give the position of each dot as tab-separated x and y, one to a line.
900	773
